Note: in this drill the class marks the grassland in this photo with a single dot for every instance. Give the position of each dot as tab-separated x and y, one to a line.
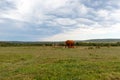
48	63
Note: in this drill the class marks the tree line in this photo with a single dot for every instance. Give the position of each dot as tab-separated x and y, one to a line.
8	44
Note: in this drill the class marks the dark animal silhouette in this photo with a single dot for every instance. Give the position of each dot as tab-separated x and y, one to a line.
69	43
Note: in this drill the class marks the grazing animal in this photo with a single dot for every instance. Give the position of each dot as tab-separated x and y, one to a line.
69	43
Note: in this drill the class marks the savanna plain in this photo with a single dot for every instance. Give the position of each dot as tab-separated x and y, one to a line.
58	63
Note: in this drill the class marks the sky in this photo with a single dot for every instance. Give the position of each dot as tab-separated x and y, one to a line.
59	20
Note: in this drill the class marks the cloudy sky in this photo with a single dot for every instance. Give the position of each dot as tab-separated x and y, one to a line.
58	20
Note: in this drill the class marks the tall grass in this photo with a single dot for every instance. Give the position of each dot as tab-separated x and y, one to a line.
48	63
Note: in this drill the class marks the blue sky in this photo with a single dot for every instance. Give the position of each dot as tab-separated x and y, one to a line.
58	20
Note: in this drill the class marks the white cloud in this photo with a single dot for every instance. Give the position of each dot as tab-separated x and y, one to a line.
27	9
82	9
65	19
104	14
115	16
84	21
82	33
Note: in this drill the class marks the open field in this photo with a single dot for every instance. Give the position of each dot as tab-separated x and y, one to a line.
48	63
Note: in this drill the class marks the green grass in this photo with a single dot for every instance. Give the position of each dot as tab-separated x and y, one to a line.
48	63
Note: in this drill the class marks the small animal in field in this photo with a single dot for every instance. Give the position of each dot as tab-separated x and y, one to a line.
69	44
